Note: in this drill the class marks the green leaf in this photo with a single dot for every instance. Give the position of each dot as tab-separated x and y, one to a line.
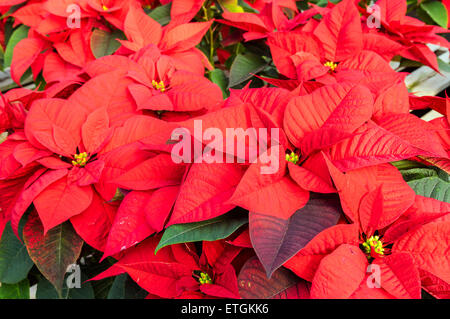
437	11
45	290
3	137
433	185
20	290
210	230
407	164
104	43
125	288
14	260
19	34
244	66
418	173
246	7
218	77
13	9
53	252
117	290
231	5
161	14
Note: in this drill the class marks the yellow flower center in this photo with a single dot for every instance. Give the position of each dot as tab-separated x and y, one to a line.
293	158
105	8
204	278
80	160
160	86
373	246
331	65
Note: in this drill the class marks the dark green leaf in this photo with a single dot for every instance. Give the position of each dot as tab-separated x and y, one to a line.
161	14
14	260
244	67
125	288
117	290
45	290
435	185
418	173
209	230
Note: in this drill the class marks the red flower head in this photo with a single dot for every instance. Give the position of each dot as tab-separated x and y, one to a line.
333	51
175	40
69	143
179	271
388	215
411	33
162	86
271	17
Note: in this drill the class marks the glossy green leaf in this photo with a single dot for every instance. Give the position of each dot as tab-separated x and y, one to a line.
209	230
437	11
19	34
218	77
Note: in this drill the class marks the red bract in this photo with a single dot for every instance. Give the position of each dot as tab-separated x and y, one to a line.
179	271
312	123
114	11
13	108
258	26
337	260
155	82
67	137
68	142
140	215
332	52
50	29
177	41
411	32
160	86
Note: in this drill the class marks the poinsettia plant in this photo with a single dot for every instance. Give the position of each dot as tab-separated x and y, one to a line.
198	149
